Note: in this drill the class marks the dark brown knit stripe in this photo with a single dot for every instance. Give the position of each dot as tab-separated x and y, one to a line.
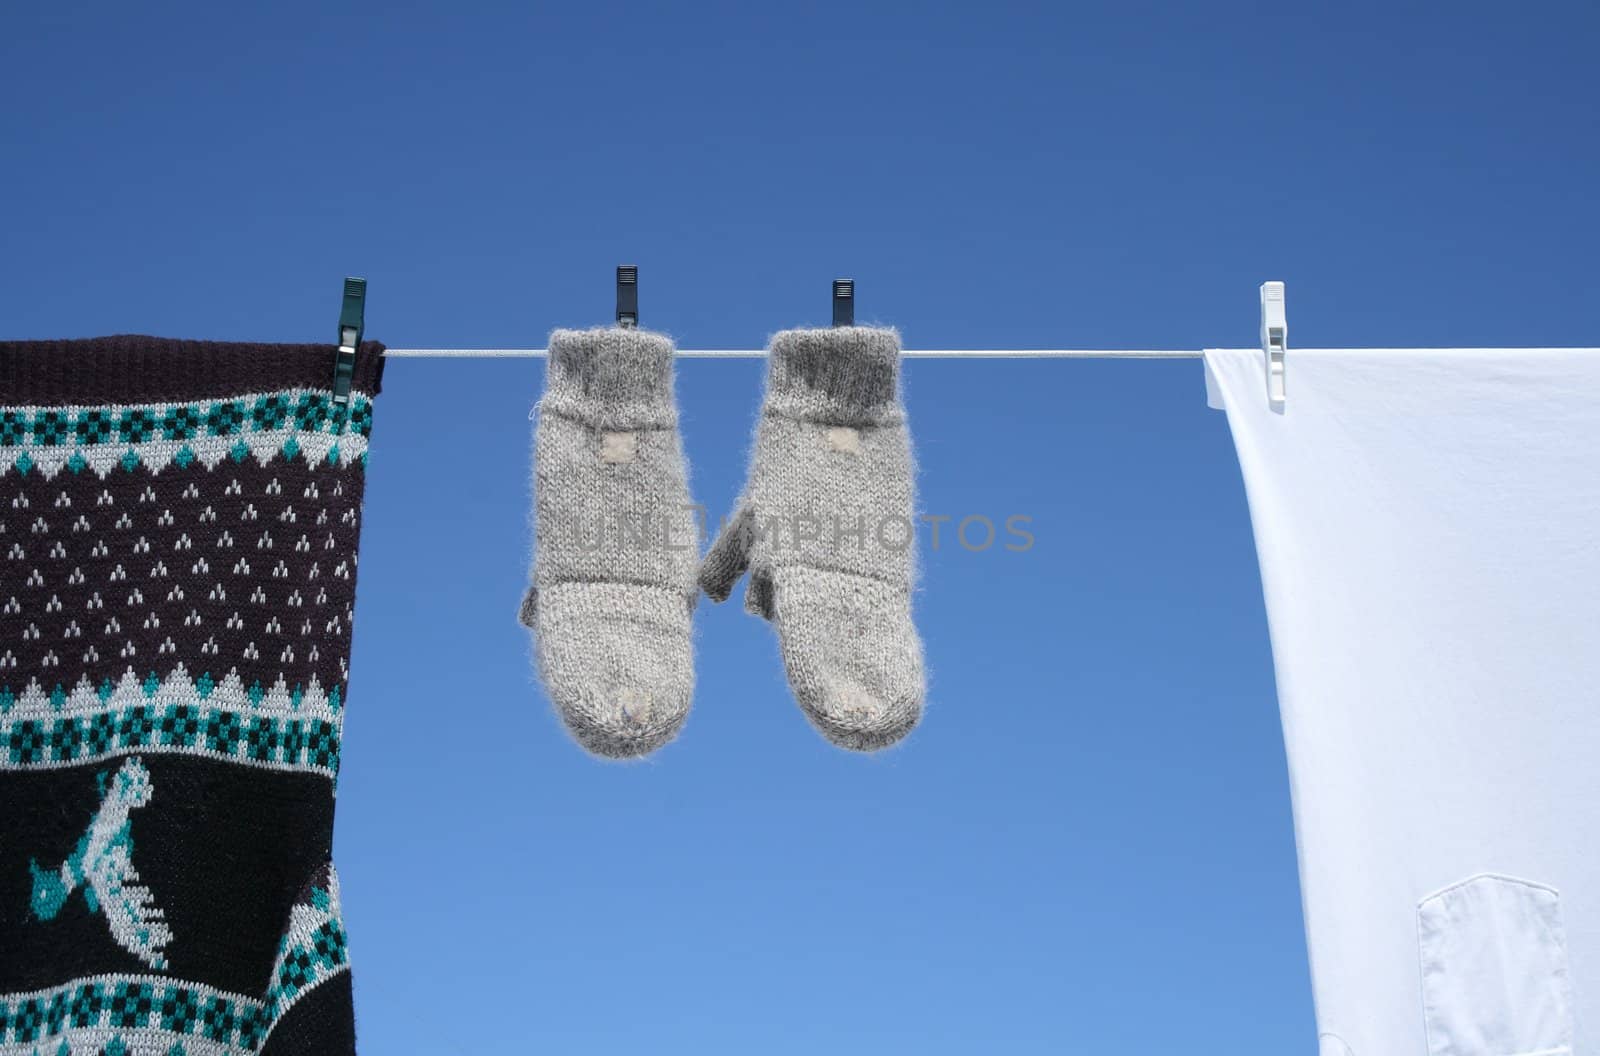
134	369
278	543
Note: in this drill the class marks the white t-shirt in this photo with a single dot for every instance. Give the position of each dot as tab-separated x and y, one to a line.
1428	527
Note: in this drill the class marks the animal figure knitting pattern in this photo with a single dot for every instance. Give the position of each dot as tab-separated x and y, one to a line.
102	865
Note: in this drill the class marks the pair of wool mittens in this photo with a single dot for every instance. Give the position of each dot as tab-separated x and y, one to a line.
824	530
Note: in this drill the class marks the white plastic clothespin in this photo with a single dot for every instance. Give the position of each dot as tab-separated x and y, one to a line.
1274	339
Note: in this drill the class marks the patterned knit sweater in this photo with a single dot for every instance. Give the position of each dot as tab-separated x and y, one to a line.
178	533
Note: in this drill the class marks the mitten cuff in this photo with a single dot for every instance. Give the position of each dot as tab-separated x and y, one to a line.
611	378
846	375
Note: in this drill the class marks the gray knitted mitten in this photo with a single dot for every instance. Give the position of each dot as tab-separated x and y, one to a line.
616	543
824	528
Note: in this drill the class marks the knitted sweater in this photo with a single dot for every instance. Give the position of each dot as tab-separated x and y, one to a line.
178	533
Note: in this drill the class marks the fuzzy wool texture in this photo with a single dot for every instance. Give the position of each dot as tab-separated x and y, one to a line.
616	542
825	530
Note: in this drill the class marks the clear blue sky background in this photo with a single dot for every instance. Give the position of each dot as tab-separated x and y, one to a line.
1088	845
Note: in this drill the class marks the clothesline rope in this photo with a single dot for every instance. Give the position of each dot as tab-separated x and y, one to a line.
747	353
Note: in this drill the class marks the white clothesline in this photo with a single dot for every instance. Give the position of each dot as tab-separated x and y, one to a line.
749	353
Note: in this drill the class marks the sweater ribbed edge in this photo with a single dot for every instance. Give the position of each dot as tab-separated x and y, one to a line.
126	368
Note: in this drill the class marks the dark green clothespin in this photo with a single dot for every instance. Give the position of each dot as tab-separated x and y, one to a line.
844	302
352	321
627	296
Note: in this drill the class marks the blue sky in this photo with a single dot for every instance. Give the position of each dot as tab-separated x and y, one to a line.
1088	845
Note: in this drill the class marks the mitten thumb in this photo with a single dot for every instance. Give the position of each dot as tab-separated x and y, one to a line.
728	557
